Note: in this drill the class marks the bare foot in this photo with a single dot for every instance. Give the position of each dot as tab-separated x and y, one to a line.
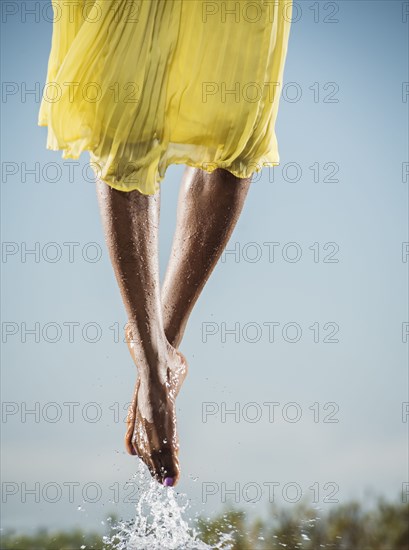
151	422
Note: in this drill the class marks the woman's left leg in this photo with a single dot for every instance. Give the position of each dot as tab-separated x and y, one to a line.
209	207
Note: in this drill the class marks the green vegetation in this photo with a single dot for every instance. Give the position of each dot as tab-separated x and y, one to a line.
43	540
345	527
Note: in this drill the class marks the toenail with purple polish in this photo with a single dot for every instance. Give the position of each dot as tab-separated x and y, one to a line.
168	481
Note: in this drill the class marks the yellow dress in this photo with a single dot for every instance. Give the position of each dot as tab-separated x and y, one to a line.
142	84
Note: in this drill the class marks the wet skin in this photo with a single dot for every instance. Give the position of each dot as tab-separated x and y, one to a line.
208	209
156	443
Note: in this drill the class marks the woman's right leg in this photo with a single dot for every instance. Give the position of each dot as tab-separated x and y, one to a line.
131	223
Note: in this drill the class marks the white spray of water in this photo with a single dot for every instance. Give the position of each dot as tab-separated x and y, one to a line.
159	522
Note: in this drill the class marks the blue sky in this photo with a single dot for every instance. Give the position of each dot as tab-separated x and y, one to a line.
337	311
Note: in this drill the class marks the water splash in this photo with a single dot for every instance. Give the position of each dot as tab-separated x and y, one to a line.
159	522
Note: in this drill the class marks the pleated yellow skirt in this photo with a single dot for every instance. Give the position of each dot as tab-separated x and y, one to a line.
142	84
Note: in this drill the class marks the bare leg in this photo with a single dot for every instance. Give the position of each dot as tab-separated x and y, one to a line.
208	210
131	222
209	207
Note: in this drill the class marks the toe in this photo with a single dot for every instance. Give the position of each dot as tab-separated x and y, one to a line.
129	446
130	421
166	466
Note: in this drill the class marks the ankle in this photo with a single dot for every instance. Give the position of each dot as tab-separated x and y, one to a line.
153	365
173	337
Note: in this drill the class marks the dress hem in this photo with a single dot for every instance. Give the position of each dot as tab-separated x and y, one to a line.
211	166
